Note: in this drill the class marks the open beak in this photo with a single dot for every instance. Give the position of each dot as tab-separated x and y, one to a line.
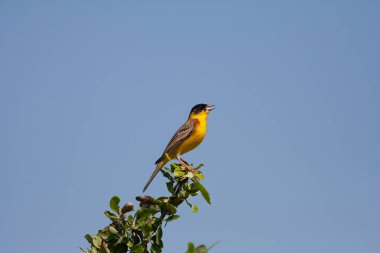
210	107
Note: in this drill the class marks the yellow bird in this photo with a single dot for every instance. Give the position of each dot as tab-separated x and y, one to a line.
187	137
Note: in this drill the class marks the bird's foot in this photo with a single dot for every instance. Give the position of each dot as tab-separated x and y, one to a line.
189	168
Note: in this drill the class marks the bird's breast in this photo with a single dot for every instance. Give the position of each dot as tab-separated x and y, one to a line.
194	139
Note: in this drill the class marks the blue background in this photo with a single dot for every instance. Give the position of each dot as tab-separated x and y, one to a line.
92	91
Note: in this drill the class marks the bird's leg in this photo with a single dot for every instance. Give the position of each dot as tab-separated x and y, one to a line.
184	163
188	167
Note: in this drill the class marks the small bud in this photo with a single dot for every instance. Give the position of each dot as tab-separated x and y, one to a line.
127	208
145	199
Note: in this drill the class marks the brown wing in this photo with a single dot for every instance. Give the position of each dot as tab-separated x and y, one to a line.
182	133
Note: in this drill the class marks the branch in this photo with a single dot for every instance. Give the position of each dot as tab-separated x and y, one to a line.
141	231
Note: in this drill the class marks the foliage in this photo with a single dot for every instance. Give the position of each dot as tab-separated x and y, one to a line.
142	231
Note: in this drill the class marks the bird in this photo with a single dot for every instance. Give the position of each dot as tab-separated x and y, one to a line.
187	137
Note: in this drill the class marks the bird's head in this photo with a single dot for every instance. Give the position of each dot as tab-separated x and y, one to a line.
201	110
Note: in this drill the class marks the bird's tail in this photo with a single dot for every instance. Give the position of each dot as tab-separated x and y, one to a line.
155	172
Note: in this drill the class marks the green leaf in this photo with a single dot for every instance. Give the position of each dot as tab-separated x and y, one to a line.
111	216
146	228
159	235
114	204
105	235
112	230
194	208
187	186
172	218
143	214
205	193
130	220
121	239
189	204
194	187
175	165
138	248
167	174
199	166
88	238
182	195
170	187
169	208
178	172
130	244
97	241
190	248
154	248
200	176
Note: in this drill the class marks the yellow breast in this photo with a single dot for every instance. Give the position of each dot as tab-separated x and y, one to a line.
196	137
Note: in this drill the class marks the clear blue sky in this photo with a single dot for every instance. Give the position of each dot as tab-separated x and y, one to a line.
91	92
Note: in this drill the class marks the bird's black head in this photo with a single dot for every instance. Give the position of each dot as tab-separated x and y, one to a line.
201	108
